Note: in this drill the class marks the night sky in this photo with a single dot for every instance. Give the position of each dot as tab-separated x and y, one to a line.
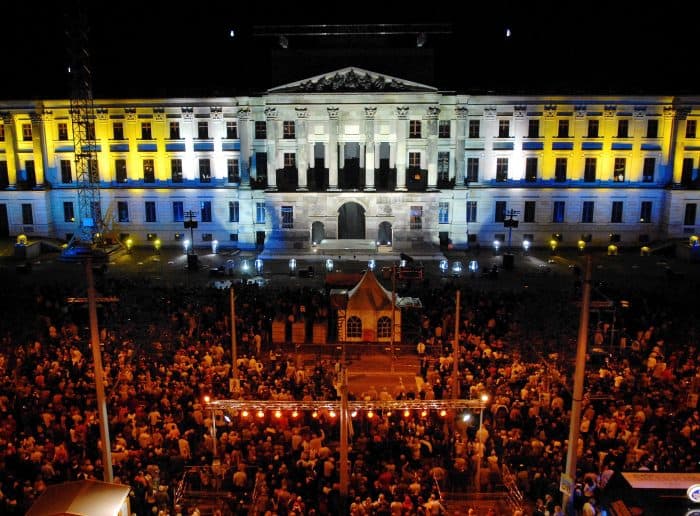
156	49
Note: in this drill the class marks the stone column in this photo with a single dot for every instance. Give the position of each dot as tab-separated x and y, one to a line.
332	148
302	149
400	152
272	135
13	164
39	148
370	155
460	134
245	128
432	151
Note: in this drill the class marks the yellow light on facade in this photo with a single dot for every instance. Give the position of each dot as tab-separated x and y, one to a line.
295	414
314	414
207	399
370	414
645	251
443	413
332	413
244	413
612	250
406	413
278	414
484	398
553	244
581	245
129	244
694	240
261	414
388	413
353	413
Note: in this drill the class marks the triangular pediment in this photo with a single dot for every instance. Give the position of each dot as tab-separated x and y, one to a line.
351	80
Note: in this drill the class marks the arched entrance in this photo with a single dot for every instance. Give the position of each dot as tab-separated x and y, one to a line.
318	232
351	221
384	233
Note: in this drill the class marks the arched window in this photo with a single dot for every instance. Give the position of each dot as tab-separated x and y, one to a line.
353	328
384	327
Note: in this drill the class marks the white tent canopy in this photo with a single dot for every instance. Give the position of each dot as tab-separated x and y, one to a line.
82	498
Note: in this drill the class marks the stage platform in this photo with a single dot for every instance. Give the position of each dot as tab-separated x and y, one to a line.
358	249
348	245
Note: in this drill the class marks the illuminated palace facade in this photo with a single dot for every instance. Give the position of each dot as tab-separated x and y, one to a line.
357	155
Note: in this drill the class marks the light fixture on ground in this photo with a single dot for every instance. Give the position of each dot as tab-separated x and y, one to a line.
214	246
292	266
553	244
444	265
186	245
496	245
156	245
457	268
329	265
371	265
129	245
473	266
581	245
245	266
258	265
526	245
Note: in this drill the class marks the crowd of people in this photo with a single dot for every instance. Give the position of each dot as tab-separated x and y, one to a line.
165	349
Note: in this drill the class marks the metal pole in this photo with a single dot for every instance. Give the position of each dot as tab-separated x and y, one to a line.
213	434
481	448
393	316
455	351
99	376
579	377
234	349
344	422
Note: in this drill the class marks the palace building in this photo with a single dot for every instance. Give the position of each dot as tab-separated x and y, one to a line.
357	155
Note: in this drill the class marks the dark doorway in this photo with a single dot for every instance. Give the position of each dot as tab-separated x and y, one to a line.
4	225
351	167
351	221
260	239
384	233
318	232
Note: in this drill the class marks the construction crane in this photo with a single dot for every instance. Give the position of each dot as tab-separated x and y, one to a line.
89	231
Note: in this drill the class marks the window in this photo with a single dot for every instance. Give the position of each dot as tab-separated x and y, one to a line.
353	328
233	211
619	172
471	211
474	129
593	128
648	171
616	213
290	160
66	172
27	214
232	130
416	217
444	129
288	130
443	213
558	211
27	132
2	132
146	133
500	213
531	169
149	171
589	170
174	126
687	172
204	170
176	170
691	209
504	128
691	127
560	165
122	211
62	131
260	130
645	212
501	169
472	170
443	166
384	327
150	209
233	237
563	130
260	213
533	128
232	168
587	211
117	131
93	170
68	212
4	176
120	170
287	214
414	129
529	215
623	128
652	128
178	211
202	130
414	160
205	211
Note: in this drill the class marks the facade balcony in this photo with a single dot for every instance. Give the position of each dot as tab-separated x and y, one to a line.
287	179
416	179
385	179
317	179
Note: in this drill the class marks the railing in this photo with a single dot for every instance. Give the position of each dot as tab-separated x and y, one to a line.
514	497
